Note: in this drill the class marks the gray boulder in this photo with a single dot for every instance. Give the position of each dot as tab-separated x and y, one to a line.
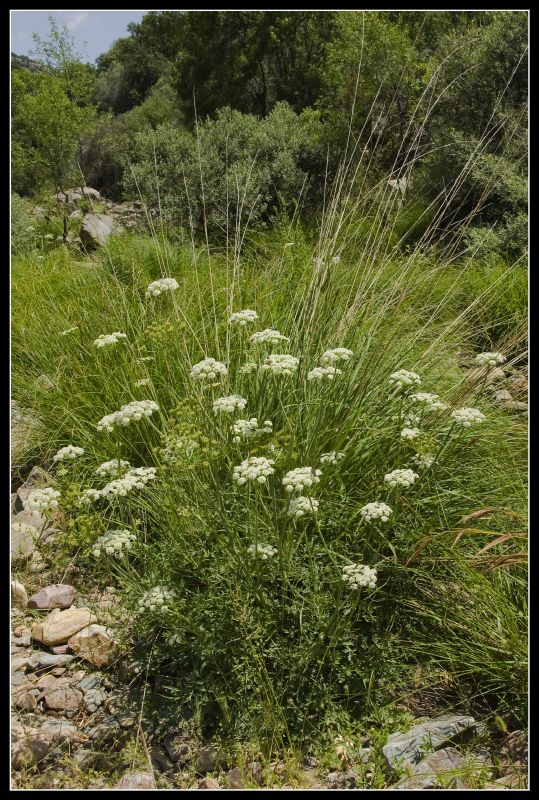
403	750
74	196
96	229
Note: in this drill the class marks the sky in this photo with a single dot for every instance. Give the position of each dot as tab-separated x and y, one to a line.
98	29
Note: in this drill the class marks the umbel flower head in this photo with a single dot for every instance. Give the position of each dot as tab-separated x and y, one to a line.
432	401
336	354
228	405
143	382
42	500
468	417
248	367
323	373
422	460
373	511
243	318
400	477
268	336
163	285
359	576
109	338
114	467
156	599
281	364
208	369
246	428
132	411
255	468
489	359
112	543
263	551
68	453
331	458
409	433
402	378
135	478
301	478
300	506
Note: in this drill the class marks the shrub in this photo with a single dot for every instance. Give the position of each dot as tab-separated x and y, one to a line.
237	169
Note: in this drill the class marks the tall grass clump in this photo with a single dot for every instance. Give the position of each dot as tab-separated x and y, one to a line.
270	433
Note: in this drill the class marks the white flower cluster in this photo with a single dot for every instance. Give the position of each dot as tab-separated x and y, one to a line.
248	367
422	460
88	496
69	330
468	417
359	576
489	359
156	599
255	468
109	338
228	405
146	358
411	419
400	477
331	458
323	373
42	500
301	478
111	467
299	506
132	411
281	364
409	433
208	369
164	285
245	428
432	401
49	237
372	511
268	336
337	354
403	378
263	551
135	478
242	318
68	453
185	445
112	543
143	382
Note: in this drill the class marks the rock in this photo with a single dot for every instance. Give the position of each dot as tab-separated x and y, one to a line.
23	641
48	660
93	698
435	771
22	541
515	405
91	682
136	780
96	229
18	679
62	698
21	630
59	626
60	649
95	644
46	680
19	598
108	729
58	731
520	384
209	759
30	750
22	662
177	747
406	749
77	214
208	783
58	595
27	701
256	772
341	780
74	196
514	751
58	671
502	395
364	754
17	730
235	779
160	760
